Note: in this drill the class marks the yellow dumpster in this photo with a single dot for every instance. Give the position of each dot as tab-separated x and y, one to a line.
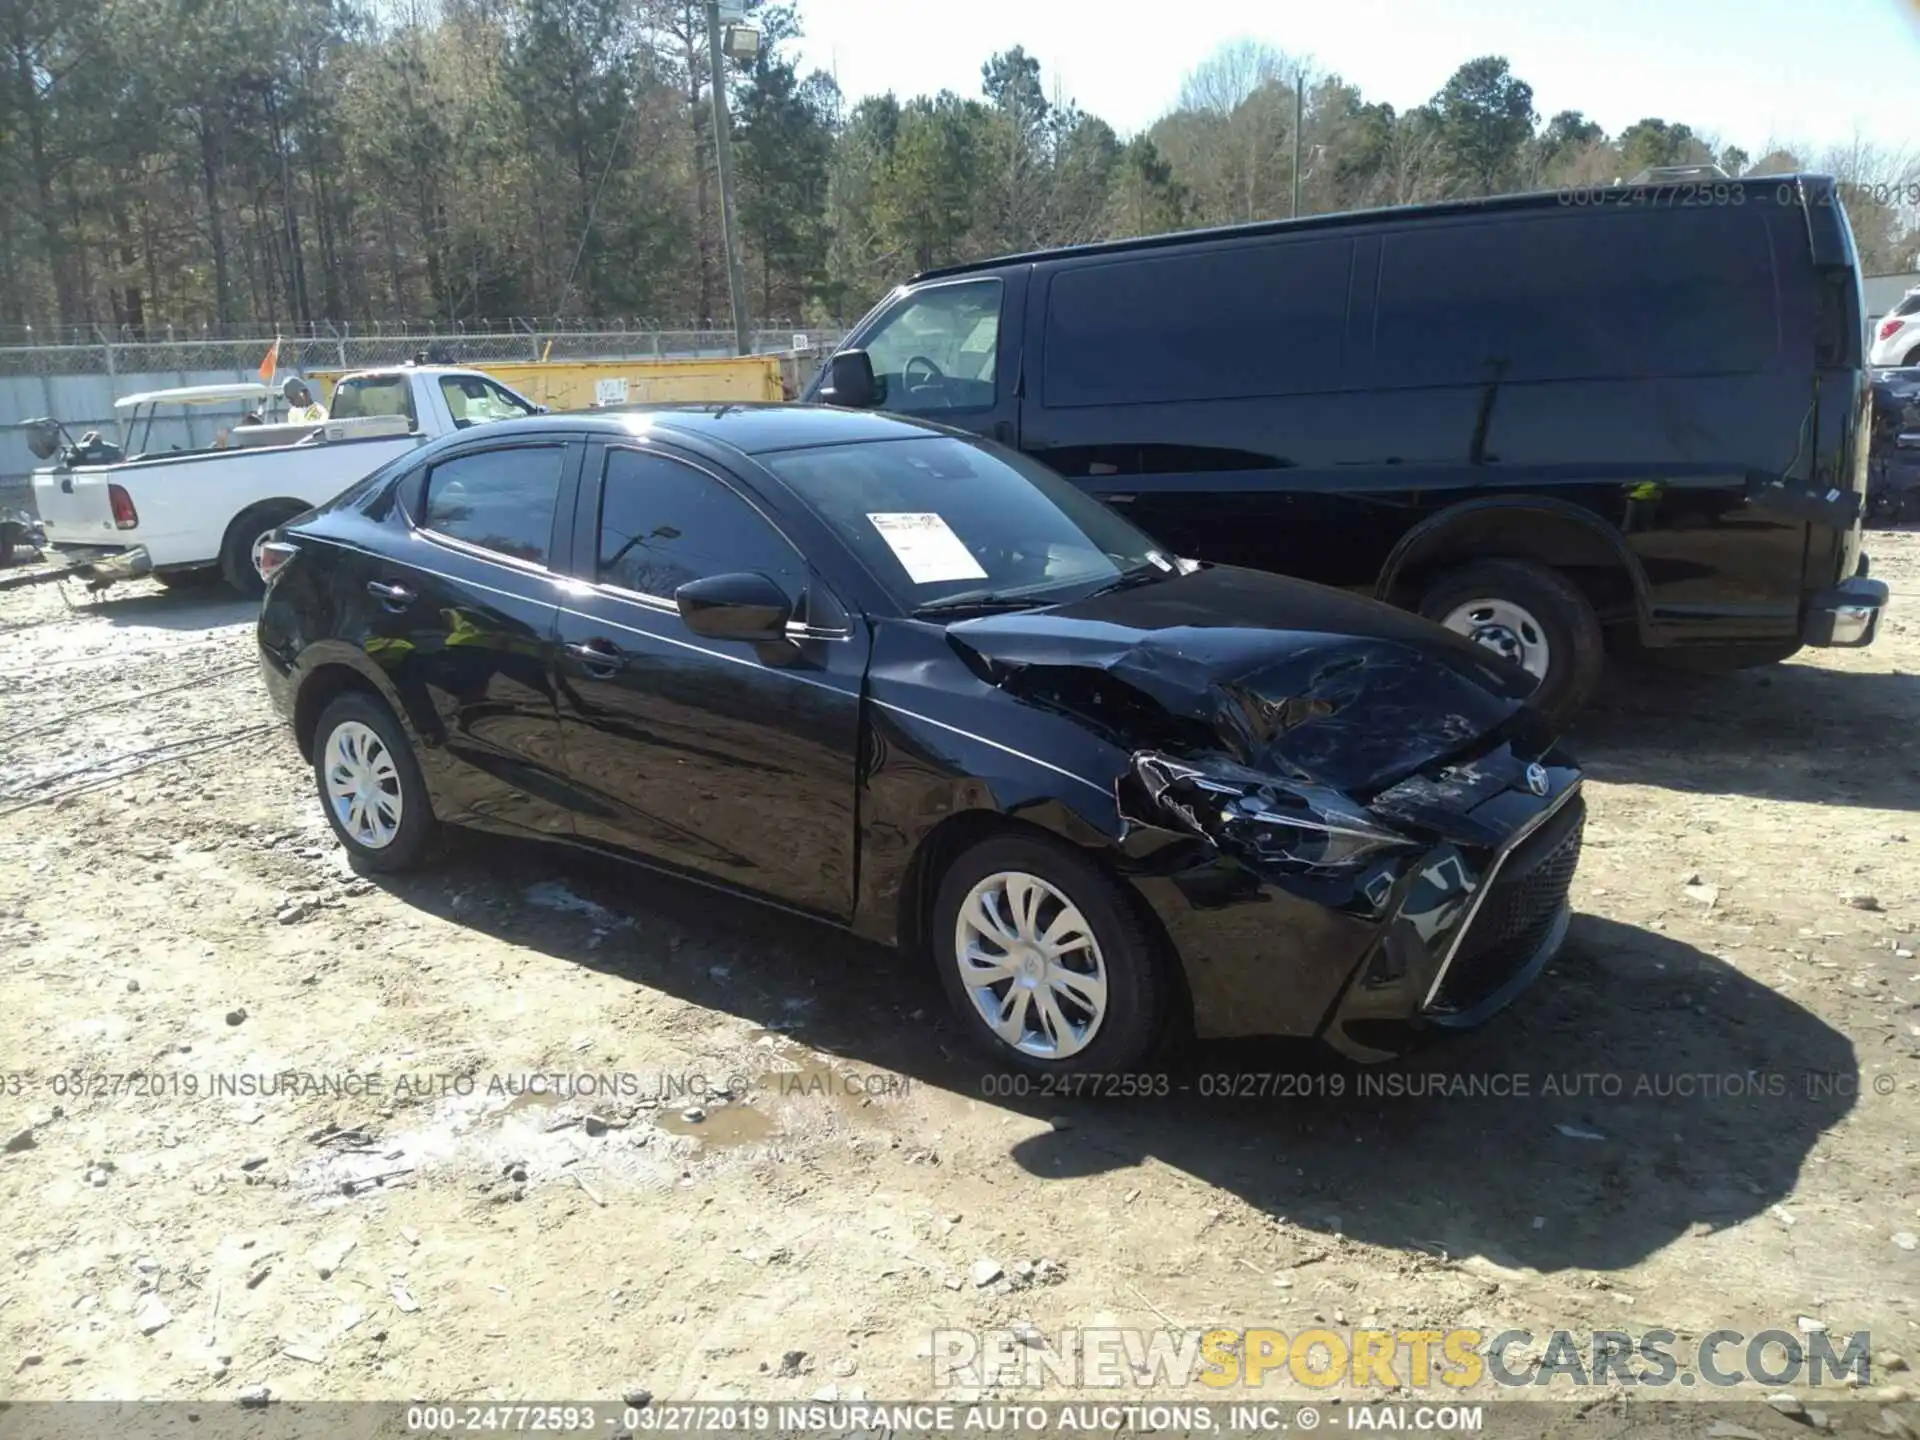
584	384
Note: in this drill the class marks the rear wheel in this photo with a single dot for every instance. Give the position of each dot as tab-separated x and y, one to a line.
1532	616
370	784
241	549
1045	961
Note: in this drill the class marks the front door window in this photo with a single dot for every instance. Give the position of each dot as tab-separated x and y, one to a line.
936	351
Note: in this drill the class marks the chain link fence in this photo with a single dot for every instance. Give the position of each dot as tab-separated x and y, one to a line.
77	382
107	353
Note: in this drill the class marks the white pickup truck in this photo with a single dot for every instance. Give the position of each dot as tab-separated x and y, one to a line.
194	511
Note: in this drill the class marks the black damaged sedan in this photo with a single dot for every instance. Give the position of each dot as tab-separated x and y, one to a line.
913	684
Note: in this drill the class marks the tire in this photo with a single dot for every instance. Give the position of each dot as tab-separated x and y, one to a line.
6	544
1127	1029
366	727
236	551
1556	615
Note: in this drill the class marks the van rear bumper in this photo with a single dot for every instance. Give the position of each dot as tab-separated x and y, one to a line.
1846	615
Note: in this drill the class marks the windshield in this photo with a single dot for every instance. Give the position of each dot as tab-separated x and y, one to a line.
940	519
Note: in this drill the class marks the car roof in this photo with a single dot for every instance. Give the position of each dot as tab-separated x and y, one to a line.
750	429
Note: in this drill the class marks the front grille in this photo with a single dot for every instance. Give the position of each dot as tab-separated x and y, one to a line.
1518	914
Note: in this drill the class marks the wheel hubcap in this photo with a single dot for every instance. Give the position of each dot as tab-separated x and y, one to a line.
258	541
1031	966
363	784
1507	629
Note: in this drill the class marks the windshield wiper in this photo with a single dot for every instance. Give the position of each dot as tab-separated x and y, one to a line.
1146	574
981	600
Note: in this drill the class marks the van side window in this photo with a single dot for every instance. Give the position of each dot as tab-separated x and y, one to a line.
1267	318
1591	294
936	351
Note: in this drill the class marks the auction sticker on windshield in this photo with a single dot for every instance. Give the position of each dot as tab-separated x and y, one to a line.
926	547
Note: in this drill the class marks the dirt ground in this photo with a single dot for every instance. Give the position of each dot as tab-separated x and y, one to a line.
801	1167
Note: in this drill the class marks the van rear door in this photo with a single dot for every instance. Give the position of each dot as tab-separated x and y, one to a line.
1843	392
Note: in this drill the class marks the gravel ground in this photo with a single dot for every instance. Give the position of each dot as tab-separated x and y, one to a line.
271	1123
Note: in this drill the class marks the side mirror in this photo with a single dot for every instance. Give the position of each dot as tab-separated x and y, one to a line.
745	606
849	381
541	410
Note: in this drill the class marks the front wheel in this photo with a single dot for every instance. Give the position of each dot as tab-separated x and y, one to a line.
1532	616
1049	967
370	784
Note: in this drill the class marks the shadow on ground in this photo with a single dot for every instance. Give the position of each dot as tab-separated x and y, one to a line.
198	606
1794	732
1642	1089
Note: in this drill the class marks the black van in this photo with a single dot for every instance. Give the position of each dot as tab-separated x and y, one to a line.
1633	416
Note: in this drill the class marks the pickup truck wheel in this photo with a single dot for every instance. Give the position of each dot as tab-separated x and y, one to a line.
1532	616
1048	967
249	528
370	785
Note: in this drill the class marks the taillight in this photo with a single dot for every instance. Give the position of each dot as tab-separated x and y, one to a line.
271	557
125	517
1890	327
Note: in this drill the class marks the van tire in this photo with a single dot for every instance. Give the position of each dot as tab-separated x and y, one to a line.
1575	644
236	551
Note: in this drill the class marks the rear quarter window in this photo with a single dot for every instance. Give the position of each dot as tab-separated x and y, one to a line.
1584	294
1227	323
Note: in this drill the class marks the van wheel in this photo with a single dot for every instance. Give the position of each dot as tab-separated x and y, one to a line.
1532	616
244	536
1048	966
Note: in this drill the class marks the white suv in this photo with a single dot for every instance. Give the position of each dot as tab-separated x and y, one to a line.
1896	335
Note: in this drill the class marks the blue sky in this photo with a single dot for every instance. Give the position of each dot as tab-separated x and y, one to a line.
1749	72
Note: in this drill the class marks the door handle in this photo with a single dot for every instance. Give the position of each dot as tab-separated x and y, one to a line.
599	658
394	597
1119	499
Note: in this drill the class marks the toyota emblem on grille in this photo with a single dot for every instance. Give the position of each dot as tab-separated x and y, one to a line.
1537	779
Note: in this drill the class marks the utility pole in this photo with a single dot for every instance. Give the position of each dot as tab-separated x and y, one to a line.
1299	111
736	287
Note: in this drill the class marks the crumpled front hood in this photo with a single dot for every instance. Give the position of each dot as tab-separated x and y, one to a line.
1287	678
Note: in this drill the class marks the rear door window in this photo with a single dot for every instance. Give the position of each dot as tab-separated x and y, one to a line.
1266	318
501	500
1581	295
374	395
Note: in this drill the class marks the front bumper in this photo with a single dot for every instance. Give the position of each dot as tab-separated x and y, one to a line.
1372	960
1846	615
